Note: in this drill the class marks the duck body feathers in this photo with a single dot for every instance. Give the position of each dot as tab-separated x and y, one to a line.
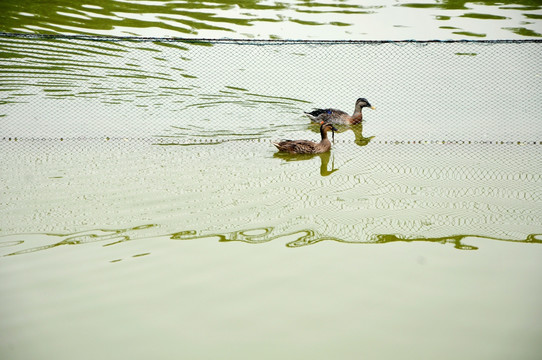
332	116
305	146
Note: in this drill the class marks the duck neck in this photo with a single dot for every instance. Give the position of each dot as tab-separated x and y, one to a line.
356	118
357	109
323	133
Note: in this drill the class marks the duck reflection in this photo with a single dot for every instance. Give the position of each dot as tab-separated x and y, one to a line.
324	160
357	129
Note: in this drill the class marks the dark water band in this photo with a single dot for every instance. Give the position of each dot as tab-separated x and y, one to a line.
254	41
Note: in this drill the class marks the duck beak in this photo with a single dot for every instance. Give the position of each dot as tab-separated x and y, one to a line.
372	107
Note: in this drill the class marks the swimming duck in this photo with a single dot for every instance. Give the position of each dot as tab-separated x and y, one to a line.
305	146
335	116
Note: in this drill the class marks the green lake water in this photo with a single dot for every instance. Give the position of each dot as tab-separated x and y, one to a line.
145	213
347	19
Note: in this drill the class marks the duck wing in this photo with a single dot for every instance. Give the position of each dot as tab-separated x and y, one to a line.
296	146
326	115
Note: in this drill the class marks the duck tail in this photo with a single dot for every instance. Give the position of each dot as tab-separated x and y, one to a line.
311	116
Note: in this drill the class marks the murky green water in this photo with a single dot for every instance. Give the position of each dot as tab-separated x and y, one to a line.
144	212
348	19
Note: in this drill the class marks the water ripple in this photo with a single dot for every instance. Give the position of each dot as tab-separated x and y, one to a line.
197	192
259	19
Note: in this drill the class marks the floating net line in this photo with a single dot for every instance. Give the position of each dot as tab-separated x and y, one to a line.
240	41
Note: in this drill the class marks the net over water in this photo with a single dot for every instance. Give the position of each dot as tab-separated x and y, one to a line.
140	138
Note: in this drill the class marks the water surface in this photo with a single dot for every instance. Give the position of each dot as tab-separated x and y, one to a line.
226	249
145	213
285	19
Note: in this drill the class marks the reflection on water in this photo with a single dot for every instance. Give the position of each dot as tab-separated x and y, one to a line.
325	169
112	237
464	4
357	130
243	191
309	237
10	245
348	19
456	240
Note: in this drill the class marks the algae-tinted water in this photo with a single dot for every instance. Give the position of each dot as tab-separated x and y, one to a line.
285	20
145	213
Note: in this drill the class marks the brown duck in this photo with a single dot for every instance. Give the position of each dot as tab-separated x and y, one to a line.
339	117
305	146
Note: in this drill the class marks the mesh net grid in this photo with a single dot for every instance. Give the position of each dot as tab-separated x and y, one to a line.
81	86
452	149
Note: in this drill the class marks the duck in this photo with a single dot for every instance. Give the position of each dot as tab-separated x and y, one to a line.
308	147
335	116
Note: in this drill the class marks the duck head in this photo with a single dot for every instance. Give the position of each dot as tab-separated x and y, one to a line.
363	102
325	127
